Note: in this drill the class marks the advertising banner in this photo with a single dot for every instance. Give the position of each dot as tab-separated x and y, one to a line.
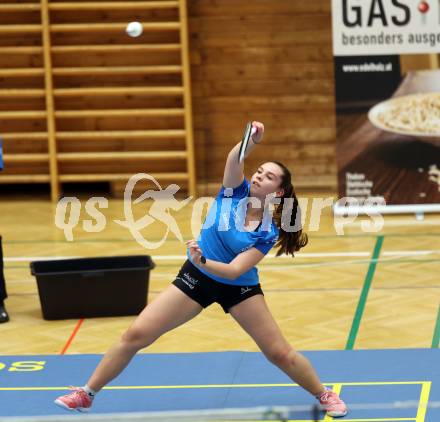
387	88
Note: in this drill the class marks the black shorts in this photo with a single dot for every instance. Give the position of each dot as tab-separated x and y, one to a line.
205	291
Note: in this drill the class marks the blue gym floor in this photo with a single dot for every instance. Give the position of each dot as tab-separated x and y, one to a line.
189	381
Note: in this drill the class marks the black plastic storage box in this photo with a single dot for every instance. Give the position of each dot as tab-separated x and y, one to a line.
93	287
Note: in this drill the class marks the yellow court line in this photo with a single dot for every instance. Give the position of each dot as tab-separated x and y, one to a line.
423	401
332	419
381	383
337	387
199	386
374	420
128	387
310	420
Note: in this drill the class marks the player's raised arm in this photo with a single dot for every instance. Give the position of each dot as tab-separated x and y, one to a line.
233	175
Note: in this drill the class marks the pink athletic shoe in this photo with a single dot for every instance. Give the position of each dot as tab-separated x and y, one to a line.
78	400
332	404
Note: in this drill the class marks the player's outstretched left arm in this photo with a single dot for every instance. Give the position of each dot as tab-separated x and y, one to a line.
241	264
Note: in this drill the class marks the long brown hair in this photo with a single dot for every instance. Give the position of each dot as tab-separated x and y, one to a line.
289	241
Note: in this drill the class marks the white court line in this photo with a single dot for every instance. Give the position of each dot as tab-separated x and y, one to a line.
410	253
36	258
299	255
272	256
180	257
399	223
325	254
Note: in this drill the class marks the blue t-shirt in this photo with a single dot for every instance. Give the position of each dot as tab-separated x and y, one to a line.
223	236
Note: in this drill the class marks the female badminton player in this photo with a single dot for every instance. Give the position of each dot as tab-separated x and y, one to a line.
221	267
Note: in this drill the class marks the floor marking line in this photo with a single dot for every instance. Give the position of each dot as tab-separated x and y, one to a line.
364	295
270	256
312	234
436	336
274	266
203	386
369	420
72	336
410	253
423	403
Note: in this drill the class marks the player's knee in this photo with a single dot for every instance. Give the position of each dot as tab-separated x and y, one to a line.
136	339
280	355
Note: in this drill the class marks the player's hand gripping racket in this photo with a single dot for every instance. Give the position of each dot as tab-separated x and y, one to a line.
248	132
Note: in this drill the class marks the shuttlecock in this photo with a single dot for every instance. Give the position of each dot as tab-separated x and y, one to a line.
134	29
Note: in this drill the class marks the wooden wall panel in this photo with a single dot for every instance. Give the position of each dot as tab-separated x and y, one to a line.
104	102
268	60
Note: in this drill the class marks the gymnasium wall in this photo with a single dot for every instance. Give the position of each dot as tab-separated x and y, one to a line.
268	60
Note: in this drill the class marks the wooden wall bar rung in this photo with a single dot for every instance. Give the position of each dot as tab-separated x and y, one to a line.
24	136
22	115
114	91
19	7
20	29
24	179
69	114
115	48
124	155
115	70
105	177
19	49
127	134
110	27
25	158
17	73
115	5
22	93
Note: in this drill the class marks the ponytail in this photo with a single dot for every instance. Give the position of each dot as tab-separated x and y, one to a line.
293	240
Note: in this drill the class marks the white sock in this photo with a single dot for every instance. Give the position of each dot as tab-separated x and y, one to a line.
89	391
